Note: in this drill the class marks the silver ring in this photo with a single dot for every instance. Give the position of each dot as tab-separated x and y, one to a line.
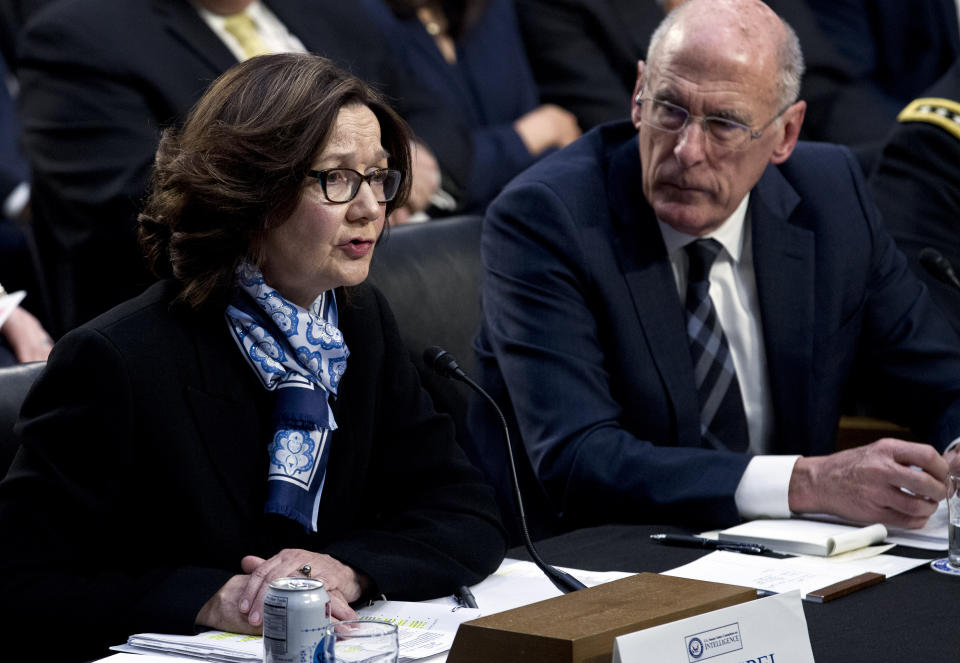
305	570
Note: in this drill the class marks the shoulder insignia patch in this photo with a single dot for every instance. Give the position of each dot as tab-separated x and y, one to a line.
945	113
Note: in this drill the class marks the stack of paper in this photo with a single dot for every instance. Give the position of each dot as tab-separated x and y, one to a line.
805	537
424	630
210	645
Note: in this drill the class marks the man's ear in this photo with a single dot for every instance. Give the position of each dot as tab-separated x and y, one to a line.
637	89
790	132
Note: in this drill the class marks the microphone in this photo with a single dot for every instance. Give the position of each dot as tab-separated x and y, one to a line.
443	363
938	266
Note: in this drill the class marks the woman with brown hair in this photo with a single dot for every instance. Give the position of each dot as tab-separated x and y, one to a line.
253	415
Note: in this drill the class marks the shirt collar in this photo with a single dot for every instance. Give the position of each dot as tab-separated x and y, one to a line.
730	233
254	10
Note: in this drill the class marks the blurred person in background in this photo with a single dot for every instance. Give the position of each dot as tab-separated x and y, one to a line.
470	54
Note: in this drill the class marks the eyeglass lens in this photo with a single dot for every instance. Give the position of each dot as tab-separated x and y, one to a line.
724	133
342	184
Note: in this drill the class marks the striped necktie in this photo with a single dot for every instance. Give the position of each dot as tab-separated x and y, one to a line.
244	30
723	424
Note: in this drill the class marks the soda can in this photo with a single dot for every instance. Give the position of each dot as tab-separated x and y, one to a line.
295	613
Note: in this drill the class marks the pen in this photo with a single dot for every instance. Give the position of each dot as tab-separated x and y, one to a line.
690	541
465	597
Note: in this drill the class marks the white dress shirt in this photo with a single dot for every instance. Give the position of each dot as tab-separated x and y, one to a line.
763	488
270	29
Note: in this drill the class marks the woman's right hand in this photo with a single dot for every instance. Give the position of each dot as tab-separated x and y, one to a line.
547	126
222	611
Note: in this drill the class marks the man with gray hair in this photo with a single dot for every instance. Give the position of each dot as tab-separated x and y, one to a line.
675	306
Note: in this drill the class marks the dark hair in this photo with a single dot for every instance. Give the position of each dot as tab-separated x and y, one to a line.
461	15
238	166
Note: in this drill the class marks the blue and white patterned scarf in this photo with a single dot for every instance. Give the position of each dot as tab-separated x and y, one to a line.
300	355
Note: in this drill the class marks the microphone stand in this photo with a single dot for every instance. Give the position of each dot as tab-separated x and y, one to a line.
441	362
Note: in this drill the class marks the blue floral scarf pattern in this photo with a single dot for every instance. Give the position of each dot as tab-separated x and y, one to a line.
300	355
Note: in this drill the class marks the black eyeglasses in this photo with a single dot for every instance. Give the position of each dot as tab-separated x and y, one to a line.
340	185
722	132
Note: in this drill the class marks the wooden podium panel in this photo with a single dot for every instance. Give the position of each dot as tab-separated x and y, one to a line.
580	627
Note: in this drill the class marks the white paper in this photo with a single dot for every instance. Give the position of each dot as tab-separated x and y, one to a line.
932	536
803	573
423	629
516	583
141	657
765	631
210	645
8	302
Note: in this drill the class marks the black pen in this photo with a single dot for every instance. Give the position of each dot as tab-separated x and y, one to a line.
465	597
690	541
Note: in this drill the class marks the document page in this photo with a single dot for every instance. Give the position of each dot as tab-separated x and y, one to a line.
8	302
809	537
518	583
777	576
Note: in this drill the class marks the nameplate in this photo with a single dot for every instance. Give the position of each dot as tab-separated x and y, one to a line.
767	630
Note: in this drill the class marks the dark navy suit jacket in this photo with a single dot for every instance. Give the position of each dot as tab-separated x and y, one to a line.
489	87
13	168
583	323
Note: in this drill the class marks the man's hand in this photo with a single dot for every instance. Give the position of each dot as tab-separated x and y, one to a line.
869	483
342	583
953	459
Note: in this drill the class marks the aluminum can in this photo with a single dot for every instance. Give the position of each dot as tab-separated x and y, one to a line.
295	613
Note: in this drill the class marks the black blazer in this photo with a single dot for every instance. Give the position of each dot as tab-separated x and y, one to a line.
100	78
142	476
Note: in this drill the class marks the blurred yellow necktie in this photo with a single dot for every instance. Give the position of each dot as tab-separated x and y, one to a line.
244	30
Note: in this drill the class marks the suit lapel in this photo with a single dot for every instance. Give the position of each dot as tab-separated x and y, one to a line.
180	19
649	277
784	264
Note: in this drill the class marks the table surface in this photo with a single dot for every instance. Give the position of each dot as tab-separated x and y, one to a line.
906	618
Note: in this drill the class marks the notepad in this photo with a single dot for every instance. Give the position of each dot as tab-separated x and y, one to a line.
805	537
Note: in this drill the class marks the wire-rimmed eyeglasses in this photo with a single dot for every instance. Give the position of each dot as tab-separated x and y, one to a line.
340	185
724	133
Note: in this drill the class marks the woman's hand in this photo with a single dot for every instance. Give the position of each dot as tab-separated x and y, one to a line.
547	126
221	612
342	583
